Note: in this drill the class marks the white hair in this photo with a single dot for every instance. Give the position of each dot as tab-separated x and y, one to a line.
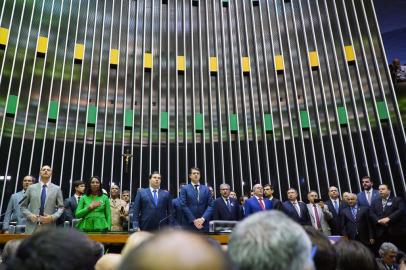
270	240
387	247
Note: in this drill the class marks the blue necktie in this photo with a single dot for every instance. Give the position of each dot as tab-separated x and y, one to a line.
336	206
229	205
155	198
354	212
43	197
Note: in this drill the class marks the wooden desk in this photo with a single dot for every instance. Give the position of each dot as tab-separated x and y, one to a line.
112	238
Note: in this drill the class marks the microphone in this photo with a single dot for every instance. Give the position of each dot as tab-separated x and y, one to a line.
164	219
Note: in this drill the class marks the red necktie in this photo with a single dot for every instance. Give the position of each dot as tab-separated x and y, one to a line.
316	213
261	203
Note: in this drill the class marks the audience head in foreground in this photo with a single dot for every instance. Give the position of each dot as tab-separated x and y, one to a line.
55	249
270	240
325	257
175	250
353	255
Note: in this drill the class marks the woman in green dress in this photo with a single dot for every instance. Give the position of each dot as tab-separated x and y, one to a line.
94	208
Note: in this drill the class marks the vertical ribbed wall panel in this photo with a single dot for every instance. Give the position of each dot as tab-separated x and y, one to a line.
292	93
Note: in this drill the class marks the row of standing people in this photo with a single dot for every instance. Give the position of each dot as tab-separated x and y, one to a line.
371	216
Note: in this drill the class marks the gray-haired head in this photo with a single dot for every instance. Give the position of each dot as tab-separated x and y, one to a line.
387	247
224	185
270	240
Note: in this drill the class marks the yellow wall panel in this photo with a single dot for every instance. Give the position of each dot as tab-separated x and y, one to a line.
148	60
180	60
314	59
245	61
349	53
279	64
79	51
114	56
213	64
42	45
3	36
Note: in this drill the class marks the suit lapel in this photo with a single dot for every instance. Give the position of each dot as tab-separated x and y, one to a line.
74	203
149	194
160	195
49	190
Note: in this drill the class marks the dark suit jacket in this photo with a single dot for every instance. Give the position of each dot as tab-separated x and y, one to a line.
276	204
362	198
193	208
178	215
146	215
221	211
359	229
395	211
252	206
335	222
303	219
70	205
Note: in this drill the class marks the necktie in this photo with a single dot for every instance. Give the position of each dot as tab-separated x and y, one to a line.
197	191
384	202
155	198
316	213
296	205
336	206
79	198
369	197
354	212
261	203
43	197
228	204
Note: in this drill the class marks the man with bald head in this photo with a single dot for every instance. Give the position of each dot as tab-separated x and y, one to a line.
13	212
257	202
355	222
44	203
225	207
197	253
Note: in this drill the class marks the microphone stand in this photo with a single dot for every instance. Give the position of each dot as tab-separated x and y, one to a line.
162	220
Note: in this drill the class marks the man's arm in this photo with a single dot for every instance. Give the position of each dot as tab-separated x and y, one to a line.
24	206
59	205
67	213
185	208
136	209
209	210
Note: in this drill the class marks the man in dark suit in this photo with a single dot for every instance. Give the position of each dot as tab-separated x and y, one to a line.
178	215
295	209
388	218
225	207
197	203
71	203
368	195
335	206
257	202
152	206
355	222
268	193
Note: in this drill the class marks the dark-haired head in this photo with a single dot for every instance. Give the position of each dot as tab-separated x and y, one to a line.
325	257
154	172
89	186
353	255
55	249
